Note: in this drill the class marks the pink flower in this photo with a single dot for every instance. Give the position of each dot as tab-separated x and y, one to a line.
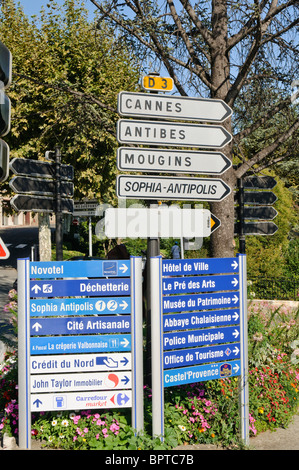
100	422
85	430
76	419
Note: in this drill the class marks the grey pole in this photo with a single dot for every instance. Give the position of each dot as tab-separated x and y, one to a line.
24	354
243	379
157	347
137	343
58	231
90	236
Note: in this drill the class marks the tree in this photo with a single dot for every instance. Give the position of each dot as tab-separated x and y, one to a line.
66	76
222	49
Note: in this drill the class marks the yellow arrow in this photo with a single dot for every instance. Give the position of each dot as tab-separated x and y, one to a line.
215	223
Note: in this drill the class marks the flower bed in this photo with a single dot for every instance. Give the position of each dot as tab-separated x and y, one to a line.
199	413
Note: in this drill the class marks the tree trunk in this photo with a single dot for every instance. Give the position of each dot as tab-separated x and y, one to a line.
44	236
222	240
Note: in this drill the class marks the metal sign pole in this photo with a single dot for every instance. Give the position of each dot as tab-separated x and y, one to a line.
243	379
24	354
157	347
58	231
137	343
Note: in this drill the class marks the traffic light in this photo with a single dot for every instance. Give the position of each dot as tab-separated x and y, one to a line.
5	108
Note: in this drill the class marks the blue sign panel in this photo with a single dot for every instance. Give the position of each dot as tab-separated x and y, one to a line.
183	339
186	321
80	325
188	357
83	306
185	303
201	373
199	266
92	268
79	344
80	287
180	285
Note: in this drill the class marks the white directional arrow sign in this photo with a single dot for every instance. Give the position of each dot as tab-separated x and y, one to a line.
172	107
123	268
125	343
36	326
36	288
235	316
171	188
123	305
234	265
171	161
172	134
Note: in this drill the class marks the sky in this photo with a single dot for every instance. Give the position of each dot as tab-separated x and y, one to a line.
33	7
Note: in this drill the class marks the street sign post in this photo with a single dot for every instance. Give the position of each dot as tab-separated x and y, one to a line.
85	208
260	212
25	203
38	168
39	186
172	134
259	182
89	352
171	161
263	198
175	188
171	188
172	107
255	206
162	222
259	228
208	343
157	83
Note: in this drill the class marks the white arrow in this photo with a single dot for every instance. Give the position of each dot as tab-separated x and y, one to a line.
123	268
235	299
125	342
235	316
235	282
36	288
236	334
236	368
234	264
236	350
36	326
123	305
